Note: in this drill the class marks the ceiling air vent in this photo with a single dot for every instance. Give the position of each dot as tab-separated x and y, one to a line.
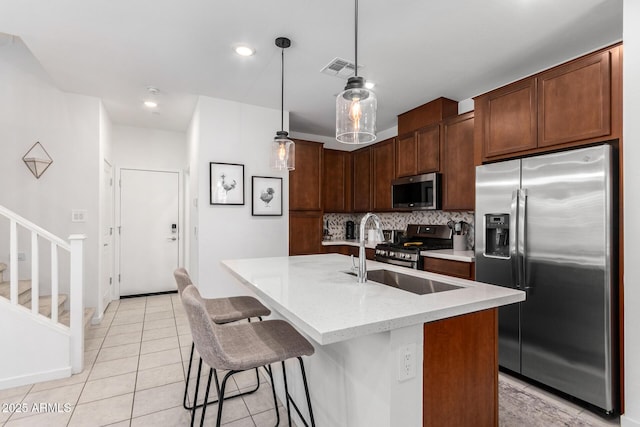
340	68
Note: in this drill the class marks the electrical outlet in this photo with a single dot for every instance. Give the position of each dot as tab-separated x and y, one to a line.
407	362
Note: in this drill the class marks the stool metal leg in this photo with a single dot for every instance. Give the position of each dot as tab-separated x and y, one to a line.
206	396
275	398
186	386
195	397
286	392
306	392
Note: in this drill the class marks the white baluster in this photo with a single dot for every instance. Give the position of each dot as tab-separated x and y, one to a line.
54	282
35	274
76	290
13	262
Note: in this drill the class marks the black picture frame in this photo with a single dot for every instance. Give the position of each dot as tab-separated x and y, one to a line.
226	183
266	196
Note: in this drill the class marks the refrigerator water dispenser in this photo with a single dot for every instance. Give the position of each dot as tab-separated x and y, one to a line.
497	235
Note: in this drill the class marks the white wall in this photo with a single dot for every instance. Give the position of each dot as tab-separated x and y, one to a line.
145	148
631	37
230	132
104	268
33	109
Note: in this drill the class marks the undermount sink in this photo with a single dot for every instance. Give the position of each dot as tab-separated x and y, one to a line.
413	284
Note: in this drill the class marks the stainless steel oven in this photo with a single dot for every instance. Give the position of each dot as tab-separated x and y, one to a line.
406	252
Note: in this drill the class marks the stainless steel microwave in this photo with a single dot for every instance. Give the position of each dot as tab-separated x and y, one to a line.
417	192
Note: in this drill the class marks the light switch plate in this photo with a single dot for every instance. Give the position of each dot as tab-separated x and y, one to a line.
78	215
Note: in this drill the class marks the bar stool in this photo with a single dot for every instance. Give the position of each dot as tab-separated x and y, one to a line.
221	310
240	347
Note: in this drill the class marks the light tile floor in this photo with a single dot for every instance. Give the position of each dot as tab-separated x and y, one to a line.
136	361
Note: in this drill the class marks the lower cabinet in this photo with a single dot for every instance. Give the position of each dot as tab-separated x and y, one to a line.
348	250
305	232
460	370
464	270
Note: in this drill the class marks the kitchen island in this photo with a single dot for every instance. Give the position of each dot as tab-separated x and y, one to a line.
368	369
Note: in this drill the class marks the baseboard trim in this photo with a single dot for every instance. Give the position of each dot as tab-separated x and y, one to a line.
96	320
628	422
38	377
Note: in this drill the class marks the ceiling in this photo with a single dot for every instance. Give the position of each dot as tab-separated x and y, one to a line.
414	50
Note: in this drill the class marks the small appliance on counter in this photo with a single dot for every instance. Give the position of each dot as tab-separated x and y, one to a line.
392	236
406	251
350	231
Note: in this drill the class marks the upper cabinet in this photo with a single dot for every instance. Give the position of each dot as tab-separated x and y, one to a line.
362	180
418	152
305	181
383	171
458	171
418	143
509	118
574	101
337	186
572	104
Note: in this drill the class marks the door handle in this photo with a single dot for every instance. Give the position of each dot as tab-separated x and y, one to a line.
172	238
522	238
513	237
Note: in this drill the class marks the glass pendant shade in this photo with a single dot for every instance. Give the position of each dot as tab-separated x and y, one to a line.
283	152
356	113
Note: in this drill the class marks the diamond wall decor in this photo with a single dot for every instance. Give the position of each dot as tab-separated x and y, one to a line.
37	160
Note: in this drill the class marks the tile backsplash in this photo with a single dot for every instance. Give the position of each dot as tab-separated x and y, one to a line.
336	222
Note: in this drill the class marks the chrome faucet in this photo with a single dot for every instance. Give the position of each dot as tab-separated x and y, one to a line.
362	255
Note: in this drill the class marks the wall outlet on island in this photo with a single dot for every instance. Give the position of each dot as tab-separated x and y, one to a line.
407	362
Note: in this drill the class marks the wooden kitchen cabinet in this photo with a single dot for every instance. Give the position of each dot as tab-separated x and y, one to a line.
573	104
337	186
305	182
574	101
418	152
458	171
362	180
464	270
460	370
305	232
509	118
383	165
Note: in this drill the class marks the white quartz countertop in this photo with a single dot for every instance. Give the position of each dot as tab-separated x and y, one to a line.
314	294
450	254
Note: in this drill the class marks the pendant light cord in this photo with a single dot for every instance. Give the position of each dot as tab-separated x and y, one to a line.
356	26
282	94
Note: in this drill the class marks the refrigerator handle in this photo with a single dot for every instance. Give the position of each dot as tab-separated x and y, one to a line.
513	240
522	237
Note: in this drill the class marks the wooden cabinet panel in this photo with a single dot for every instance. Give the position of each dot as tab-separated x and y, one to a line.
510	118
406	161
458	171
426	114
460	370
305	180
464	270
337	187
383	155
305	232
574	101
428	149
362	180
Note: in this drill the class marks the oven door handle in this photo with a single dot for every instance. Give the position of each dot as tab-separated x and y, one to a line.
401	263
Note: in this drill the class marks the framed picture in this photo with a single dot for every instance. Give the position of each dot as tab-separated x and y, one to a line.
266	196
226	181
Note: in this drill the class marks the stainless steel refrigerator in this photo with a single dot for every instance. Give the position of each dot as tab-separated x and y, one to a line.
546	225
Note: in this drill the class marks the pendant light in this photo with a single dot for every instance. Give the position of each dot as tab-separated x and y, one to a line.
356	107
283	150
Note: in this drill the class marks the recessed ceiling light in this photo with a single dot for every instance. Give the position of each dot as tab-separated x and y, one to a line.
369	85
243	50
150	104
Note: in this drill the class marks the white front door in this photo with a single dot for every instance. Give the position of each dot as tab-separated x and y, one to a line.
106	277
149	230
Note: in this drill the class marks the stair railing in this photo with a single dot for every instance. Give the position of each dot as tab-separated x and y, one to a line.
76	286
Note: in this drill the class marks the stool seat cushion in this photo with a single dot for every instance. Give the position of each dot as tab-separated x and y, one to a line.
248	346
231	309
241	346
224	310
